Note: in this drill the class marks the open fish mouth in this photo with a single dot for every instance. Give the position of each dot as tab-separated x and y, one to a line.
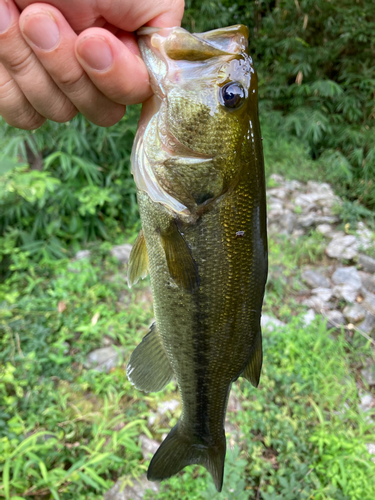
173	52
186	71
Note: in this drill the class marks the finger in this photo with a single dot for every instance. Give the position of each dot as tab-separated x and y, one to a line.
114	65
133	14
129	15
22	64
14	107
62	65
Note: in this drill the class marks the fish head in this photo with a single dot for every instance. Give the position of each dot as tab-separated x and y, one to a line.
205	97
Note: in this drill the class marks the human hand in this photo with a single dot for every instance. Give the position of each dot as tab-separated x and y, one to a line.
66	56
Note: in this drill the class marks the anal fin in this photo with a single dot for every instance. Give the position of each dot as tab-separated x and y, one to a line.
254	366
180	261
148	368
138	260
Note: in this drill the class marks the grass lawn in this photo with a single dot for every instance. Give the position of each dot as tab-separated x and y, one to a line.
69	431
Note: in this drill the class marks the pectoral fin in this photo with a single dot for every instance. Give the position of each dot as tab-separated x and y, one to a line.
148	368
254	366
180	261
138	260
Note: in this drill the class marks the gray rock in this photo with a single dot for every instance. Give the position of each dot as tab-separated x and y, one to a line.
354	313
306	220
297	233
122	252
368	325
368	374
345	247
307	200
369	301
134	492
288	222
148	446
169	405
308	317
324	294
104	359
82	254
368	281
277	178
346	292
367	263
315	303
371	449
314	279
280	192
152	418
335	319
293	185
324	229
366	402
326	219
269	323
365	236
347	276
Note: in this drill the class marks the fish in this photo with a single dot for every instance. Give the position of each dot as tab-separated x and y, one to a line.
197	161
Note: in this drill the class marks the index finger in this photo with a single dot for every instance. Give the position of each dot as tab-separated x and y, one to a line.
128	15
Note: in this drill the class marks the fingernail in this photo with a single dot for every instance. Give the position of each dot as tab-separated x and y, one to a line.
95	52
5	16
41	30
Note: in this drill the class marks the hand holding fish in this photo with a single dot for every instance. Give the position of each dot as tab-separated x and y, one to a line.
66	56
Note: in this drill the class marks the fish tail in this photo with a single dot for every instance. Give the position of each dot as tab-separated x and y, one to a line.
179	450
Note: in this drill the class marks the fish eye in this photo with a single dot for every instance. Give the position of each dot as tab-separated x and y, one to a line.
232	95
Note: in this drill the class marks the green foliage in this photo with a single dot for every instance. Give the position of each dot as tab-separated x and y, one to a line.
72	187
67	430
66	185
315	65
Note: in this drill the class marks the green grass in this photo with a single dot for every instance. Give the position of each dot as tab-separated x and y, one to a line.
70	432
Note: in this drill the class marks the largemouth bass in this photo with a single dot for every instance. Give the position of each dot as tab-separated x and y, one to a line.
198	164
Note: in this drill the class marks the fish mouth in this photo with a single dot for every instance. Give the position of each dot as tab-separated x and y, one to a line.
173	51
176	58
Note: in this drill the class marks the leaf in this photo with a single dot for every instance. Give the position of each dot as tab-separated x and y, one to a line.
55	494
7	164
43	470
96	478
95	318
6	474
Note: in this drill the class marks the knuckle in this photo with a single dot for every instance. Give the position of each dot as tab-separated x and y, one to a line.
7	88
69	82
109	118
21	62
65	115
27	120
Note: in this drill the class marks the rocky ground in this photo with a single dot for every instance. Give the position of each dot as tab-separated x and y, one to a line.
342	288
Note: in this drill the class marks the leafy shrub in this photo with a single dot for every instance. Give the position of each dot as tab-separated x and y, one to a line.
315	65
73	185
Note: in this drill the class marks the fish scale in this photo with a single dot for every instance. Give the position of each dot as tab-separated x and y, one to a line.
207	260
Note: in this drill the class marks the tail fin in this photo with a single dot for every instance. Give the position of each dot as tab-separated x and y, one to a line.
179	450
